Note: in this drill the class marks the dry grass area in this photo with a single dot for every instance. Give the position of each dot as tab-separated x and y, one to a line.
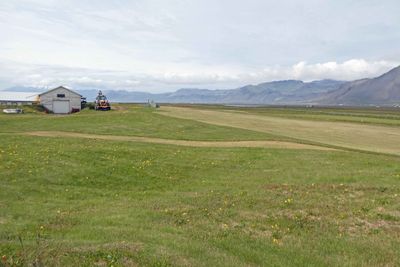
373	138
265	144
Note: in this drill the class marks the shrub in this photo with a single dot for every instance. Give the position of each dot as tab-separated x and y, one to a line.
89	105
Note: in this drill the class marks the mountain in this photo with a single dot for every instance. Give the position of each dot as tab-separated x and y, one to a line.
382	90
262	93
192	96
276	92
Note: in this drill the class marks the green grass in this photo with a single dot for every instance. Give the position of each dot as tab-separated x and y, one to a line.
132	120
82	202
346	135
362	116
375	116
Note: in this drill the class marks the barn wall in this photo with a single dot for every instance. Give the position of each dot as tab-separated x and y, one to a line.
47	99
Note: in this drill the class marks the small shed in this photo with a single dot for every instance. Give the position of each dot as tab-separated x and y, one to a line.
61	100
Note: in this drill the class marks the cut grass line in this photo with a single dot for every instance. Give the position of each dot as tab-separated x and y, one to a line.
262	144
370	138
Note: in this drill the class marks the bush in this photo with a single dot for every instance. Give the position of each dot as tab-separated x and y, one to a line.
40	108
89	105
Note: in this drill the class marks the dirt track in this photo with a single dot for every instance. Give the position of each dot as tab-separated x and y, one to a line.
265	144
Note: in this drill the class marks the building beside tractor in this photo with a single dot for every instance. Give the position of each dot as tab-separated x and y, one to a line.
61	100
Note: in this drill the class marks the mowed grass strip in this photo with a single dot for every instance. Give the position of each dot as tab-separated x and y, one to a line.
72	201
373	138
270	144
361	115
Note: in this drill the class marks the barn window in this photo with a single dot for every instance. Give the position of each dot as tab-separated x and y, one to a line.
60	95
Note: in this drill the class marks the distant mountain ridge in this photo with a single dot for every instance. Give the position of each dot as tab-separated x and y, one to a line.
289	91
382	90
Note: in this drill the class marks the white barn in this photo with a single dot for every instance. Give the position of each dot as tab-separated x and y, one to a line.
61	100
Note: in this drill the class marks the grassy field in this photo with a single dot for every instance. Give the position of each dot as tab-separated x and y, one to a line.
77	199
345	134
135	120
379	116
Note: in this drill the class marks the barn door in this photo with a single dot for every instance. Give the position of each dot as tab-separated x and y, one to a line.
61	107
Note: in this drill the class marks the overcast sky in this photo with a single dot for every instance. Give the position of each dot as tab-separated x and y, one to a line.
163	45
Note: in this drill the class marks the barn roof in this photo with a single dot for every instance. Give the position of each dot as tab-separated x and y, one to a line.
60	87
18	96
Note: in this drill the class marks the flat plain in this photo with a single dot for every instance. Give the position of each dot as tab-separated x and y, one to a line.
369	137
201	186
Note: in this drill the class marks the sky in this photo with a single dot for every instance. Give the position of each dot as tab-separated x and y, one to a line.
164	45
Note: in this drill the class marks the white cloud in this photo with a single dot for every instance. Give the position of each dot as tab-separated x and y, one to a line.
347	70
51	76
158	45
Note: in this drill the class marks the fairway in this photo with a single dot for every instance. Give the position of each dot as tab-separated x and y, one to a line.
374	138
199	186
266	144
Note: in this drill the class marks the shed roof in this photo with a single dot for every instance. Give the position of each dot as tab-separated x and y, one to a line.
18	96
60	87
